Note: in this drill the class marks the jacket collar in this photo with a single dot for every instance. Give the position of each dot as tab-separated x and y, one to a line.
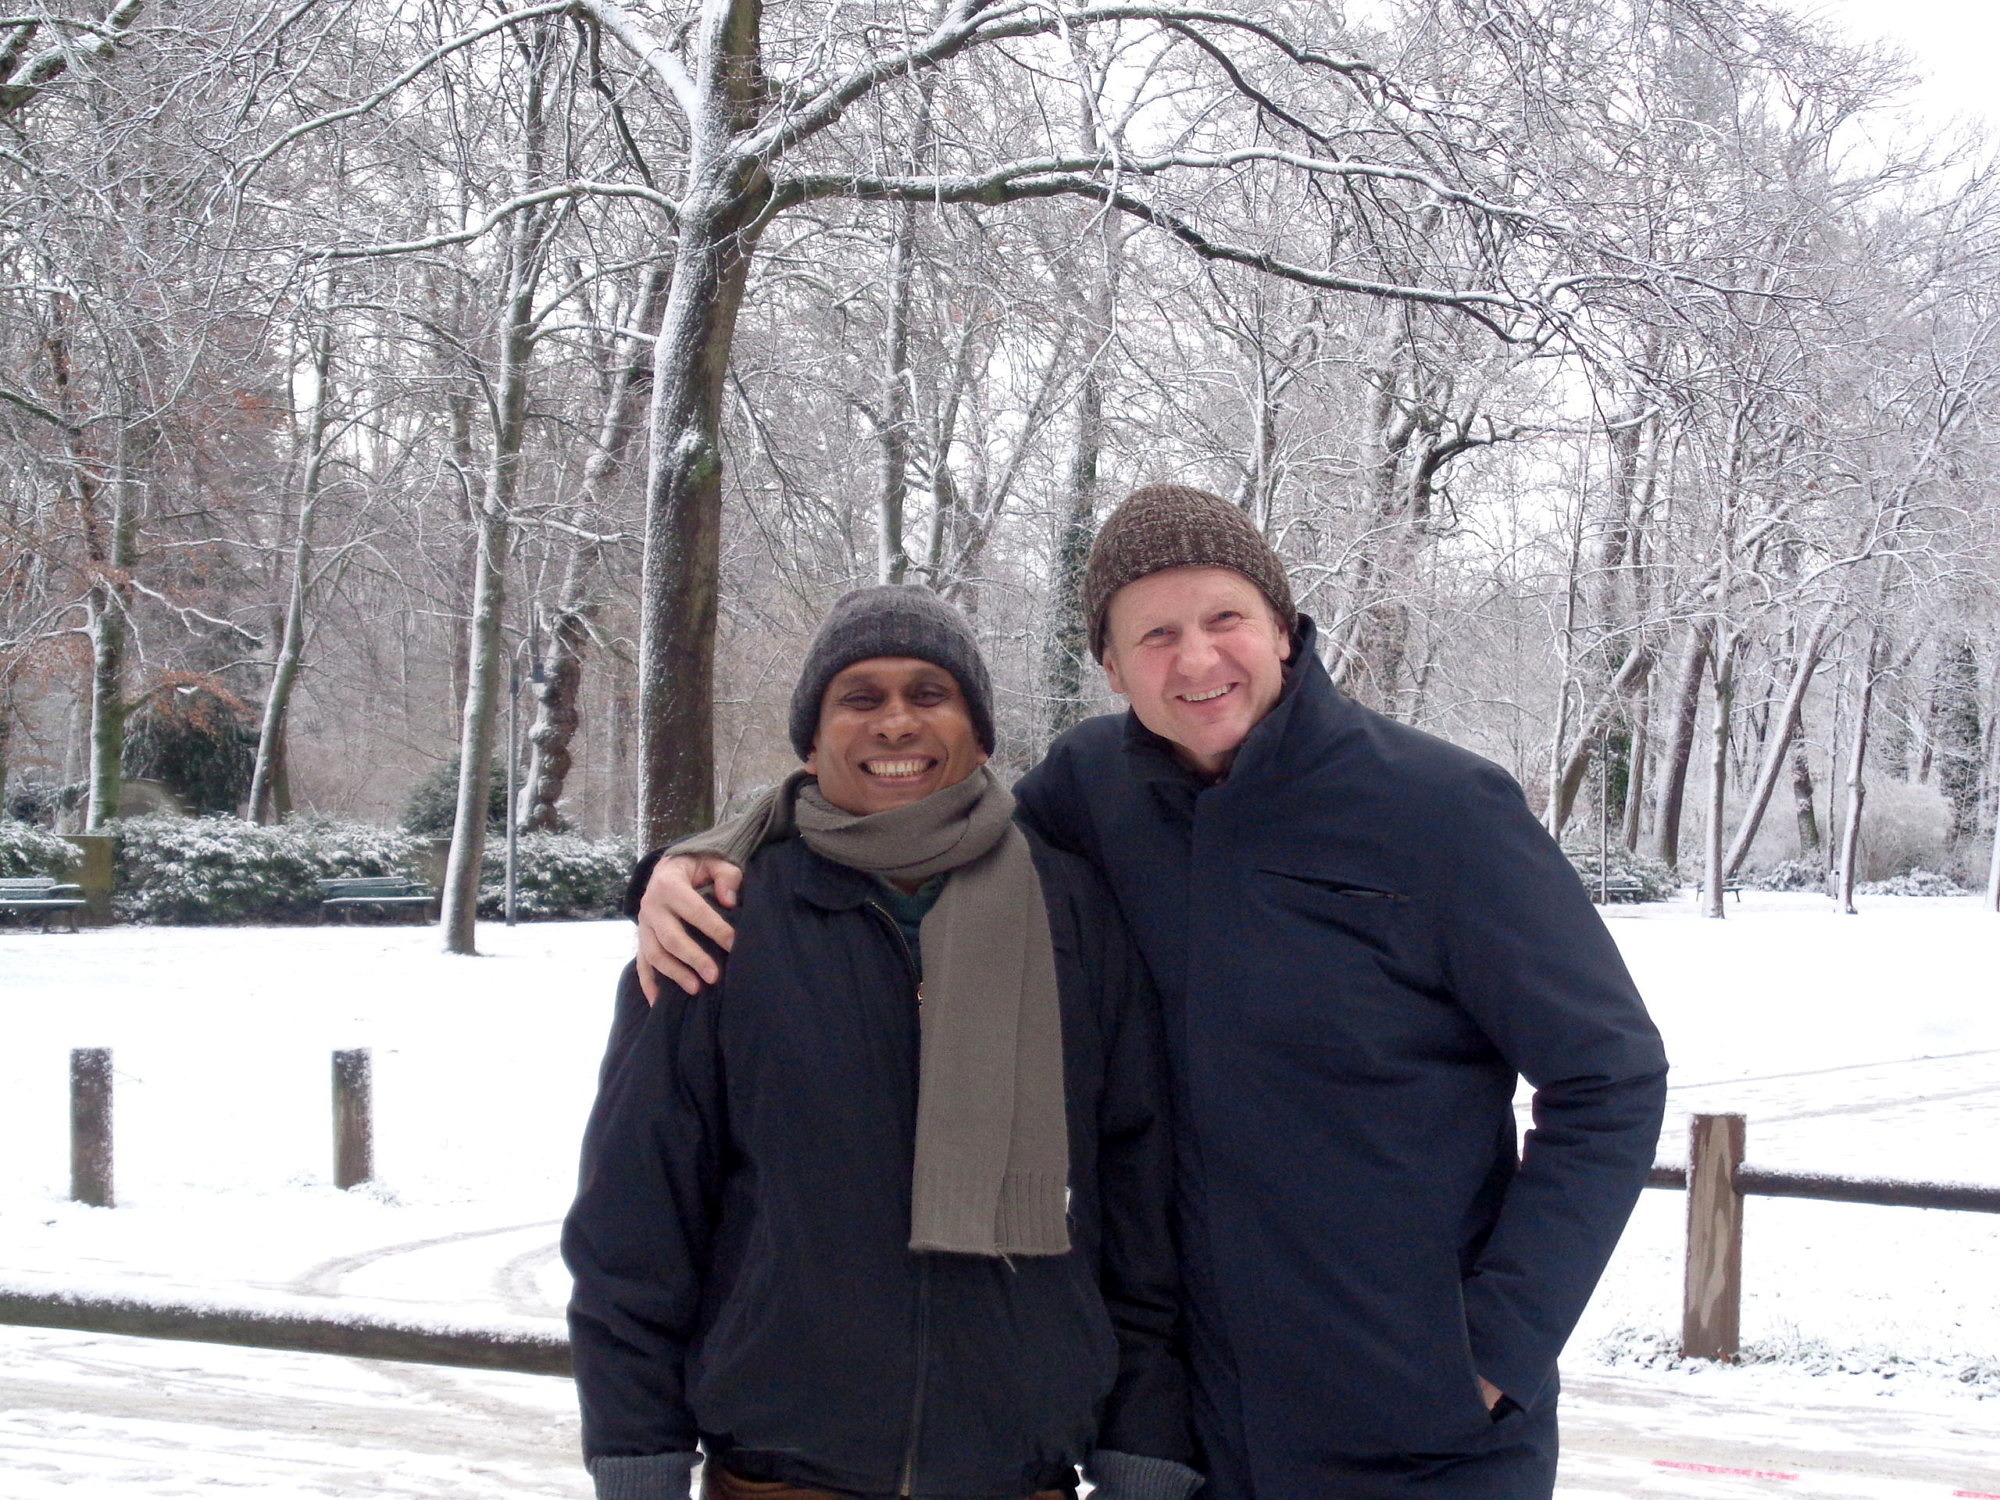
829	886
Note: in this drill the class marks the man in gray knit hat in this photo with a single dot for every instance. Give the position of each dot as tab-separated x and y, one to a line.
885	1212
1363	940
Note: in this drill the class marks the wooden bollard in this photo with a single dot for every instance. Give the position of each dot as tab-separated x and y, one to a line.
353	1119
90	1126
1711	1310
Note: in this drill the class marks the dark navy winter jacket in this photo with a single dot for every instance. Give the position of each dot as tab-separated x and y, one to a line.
740	1236
1361	936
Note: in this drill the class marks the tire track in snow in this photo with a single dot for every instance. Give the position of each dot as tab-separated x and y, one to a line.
1893	1062
513	1282
518	1283
324	1279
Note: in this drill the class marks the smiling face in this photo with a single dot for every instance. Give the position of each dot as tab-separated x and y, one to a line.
892	730
1201	655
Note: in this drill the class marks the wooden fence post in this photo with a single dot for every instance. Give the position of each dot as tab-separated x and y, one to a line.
1711	1310
90	1126
353	1119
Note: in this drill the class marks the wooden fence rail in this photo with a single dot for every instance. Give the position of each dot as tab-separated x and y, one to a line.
1717	1181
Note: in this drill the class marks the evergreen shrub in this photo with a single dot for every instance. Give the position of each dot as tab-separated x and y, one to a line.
1655	877
432	806
200	870
558	877
26	850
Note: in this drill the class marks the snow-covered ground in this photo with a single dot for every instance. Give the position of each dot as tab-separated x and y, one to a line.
1866	1045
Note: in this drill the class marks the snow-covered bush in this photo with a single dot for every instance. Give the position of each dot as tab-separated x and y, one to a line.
28	850
557	877
1917	882
1789	875
1655	877
224	870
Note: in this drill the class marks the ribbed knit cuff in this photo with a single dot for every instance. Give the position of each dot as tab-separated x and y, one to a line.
1128	1476
650	1476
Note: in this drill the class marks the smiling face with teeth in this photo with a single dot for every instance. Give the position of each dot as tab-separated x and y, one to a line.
1201	655
892	730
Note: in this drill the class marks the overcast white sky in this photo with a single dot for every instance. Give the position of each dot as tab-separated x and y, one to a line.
1955	42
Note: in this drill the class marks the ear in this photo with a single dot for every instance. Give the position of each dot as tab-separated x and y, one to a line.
812	760
1111	671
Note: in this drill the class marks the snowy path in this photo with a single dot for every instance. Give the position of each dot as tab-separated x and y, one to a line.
1869	1046
141	1418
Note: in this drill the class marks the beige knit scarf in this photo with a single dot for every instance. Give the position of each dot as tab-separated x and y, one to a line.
992	1162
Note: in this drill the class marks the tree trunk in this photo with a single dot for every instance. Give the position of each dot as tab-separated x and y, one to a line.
108	607
1635	769
1779	740
893	427
1069	639
1802	796
1571	770
1857	788
558	711
262	804
715	240
1680	747
1993	795
684	518
108	707
1722	681
557	715
459	906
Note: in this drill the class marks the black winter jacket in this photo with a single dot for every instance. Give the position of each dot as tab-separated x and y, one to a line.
1361	937
740	1236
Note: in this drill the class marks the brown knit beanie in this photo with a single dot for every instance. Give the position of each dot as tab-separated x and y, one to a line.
1164	526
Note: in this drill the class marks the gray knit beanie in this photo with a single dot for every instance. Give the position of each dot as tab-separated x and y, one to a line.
1164	526
891	619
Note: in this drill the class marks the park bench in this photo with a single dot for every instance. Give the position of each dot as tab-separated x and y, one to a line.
1729	888
43	895
386	892
1616	888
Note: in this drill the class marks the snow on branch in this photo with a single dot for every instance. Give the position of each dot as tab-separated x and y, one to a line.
558	193
415	70
1019	181
620	22
25	80
971	23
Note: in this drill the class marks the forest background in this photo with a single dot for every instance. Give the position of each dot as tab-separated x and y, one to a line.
1619	389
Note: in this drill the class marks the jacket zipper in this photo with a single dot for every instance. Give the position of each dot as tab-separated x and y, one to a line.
923	1357
907	1486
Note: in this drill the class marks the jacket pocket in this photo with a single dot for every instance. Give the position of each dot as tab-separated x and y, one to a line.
1339	885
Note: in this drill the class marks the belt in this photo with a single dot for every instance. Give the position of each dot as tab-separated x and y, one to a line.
717	1483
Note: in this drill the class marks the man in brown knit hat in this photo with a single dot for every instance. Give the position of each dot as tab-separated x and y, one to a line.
1364	939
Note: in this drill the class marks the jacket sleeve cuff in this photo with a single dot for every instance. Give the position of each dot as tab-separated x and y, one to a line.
635	888
1131	1476
651	1476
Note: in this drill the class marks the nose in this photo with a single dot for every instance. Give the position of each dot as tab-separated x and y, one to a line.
1196	654
896	721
